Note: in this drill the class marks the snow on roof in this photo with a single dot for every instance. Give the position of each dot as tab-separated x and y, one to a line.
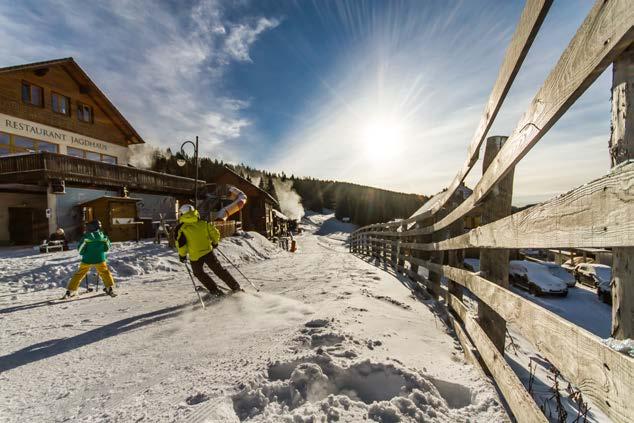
280	215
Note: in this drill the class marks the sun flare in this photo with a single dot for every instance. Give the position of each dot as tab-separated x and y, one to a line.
380	139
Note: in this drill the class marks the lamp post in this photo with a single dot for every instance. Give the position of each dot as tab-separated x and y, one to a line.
182	162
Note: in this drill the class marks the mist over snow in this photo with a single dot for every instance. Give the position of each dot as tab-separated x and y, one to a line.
289	199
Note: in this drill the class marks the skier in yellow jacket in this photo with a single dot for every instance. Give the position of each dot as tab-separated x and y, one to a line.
198	238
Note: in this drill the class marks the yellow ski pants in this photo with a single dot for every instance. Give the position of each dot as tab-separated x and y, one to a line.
84	268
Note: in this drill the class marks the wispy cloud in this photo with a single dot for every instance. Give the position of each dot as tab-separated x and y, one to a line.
162	64
431	73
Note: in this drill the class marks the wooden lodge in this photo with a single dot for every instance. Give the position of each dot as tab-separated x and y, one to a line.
257	214
64	145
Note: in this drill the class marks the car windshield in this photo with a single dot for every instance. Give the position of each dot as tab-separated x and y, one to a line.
561	273
604	273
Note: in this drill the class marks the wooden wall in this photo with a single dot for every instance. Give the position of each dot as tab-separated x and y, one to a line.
58	80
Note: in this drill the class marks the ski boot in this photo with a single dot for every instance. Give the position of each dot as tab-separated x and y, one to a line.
68	295
109	291
217	293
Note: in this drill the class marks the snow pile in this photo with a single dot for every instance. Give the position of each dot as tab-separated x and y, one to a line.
248	247
316	387
26	270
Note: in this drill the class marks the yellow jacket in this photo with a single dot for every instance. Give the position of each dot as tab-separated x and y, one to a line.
195	236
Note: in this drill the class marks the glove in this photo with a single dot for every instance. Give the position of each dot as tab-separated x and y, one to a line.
183	259
214	244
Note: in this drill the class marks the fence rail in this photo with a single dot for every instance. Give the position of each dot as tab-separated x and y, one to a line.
597	214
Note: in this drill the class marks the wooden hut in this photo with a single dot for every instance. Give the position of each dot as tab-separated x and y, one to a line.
257	214
118	216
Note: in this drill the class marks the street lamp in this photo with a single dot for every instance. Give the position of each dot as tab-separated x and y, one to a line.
182	162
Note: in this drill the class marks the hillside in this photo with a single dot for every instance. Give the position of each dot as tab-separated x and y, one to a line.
362	204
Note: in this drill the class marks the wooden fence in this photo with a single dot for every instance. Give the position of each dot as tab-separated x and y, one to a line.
598	214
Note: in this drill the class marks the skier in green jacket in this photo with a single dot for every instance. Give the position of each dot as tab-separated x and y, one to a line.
198	238
93	246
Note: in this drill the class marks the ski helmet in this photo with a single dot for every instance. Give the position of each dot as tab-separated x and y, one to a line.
93	225
186	208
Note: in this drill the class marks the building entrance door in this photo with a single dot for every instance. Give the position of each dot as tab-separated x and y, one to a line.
27	225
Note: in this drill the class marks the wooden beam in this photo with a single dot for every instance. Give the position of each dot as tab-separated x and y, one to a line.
495	263
597	214
527	28
470	352
605	33
519	400
602	374
622	150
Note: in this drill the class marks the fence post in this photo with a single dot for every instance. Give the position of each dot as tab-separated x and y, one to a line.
621	150
455	257
400	263
494	263
437	257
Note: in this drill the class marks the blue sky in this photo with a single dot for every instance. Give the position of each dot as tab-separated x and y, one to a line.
384	93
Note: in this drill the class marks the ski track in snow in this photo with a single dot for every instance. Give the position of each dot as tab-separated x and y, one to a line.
329	337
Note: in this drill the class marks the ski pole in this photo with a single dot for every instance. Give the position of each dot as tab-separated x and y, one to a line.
236	267
194	283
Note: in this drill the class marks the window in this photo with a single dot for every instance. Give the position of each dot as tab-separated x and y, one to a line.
25	143
32	94
60	104
93	156
11	144
108	159
84	113
75	152
90	155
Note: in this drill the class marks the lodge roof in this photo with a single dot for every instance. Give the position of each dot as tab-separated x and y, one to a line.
246	181
82	79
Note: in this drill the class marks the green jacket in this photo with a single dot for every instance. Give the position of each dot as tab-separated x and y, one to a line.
93	247
195	236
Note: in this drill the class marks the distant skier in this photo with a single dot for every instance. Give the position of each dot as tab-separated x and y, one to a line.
93	246
198	238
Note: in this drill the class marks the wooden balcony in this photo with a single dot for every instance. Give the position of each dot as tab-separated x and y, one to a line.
40	168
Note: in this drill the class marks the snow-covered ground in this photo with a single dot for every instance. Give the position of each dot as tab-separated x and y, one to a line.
329	337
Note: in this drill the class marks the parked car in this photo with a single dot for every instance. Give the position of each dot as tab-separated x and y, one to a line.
591	274
561	273
535	278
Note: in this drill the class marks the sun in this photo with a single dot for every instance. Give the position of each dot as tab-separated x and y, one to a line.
380	139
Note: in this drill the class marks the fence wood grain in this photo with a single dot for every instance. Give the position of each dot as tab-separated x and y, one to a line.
602	374
606	32
520	401
597	214
527	28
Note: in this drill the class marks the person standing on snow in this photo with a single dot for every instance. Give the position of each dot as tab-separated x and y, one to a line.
93	246
198	238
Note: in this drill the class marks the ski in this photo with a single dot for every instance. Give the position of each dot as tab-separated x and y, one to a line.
84	294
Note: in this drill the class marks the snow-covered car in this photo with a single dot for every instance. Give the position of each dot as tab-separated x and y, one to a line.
592	274
535	278
561	273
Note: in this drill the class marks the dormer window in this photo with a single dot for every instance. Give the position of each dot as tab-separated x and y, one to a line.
60	104
32	94
84	113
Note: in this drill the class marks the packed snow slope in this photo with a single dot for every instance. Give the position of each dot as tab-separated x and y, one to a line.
329	337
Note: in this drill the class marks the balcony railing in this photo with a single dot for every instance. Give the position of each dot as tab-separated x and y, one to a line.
44	166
